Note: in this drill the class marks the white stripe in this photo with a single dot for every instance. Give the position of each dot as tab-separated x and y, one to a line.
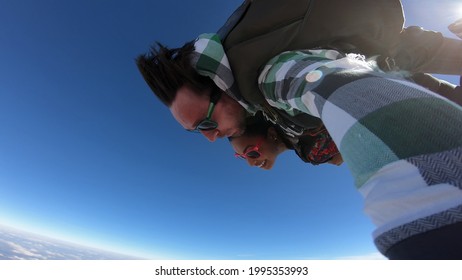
282	72
220	83
308	99
337	121
262	77
201	44
350	62
397	194
224	61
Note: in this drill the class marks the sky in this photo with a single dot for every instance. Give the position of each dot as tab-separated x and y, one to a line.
88	154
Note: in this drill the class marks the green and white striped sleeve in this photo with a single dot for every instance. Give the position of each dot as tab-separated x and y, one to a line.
401	142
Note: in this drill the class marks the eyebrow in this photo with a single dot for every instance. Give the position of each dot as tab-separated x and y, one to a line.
194	126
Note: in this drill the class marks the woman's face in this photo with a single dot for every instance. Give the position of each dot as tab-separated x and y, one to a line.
250	146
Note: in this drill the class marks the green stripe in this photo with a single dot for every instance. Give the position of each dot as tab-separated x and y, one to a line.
268	89
399	131
207	64
364	153
417	126
284	57
301	91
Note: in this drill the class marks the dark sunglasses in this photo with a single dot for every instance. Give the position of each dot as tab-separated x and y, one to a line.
252	152
207	123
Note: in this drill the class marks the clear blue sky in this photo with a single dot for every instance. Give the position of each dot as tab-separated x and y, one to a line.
88	154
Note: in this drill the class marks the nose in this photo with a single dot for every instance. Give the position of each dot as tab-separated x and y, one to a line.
211	135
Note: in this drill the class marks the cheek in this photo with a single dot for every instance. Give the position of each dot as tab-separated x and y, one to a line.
268	155
233	114
269	150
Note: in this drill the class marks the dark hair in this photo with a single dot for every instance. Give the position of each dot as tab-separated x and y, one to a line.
255	126
166	70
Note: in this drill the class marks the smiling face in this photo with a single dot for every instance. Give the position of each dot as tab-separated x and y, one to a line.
268	146
190	107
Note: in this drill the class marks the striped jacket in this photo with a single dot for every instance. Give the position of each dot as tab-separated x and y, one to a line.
401	142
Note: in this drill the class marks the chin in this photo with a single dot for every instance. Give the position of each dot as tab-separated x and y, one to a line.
268	166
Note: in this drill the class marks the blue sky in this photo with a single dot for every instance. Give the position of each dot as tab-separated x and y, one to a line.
88	154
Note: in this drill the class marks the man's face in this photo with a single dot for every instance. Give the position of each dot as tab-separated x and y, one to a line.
189	108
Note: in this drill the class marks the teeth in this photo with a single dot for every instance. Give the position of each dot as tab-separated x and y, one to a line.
261	164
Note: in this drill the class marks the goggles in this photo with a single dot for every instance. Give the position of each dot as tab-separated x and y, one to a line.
251	152
207	123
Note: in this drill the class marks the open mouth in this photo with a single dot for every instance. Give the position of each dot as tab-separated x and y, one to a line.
261	164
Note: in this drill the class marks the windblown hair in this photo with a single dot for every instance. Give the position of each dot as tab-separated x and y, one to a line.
166	70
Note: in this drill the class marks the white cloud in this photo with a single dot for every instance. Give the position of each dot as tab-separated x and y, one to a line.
18	249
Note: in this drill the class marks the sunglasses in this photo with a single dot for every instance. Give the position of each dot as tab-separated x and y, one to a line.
207	123
252	152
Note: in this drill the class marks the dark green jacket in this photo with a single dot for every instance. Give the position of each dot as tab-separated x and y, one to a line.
266	28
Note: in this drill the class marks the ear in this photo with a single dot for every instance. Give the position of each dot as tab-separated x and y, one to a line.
272	134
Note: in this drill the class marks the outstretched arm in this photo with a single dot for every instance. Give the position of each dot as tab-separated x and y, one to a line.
402	143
